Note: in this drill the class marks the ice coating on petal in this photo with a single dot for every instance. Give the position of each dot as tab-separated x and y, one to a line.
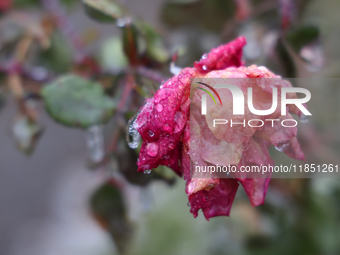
222	57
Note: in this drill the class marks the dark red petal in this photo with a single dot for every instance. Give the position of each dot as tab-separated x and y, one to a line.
224	56
255	154
161	123
215	202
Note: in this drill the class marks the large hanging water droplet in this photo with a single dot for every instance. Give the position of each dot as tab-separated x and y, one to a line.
282	146
188	204
133	138
147	171
95	143
304	119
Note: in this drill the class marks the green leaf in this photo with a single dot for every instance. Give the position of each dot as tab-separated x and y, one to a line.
107	205
210	15
112	56
107	201
104	10
58	57
302	36
35	3
74	101
131	43
155	46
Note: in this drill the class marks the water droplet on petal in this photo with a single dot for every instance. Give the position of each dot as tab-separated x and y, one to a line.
282	146
166	127
147	171
159	108
152	149
204	56
151	133
171	146
204	67
188	204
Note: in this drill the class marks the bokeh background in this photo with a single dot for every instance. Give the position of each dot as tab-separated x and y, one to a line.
46	198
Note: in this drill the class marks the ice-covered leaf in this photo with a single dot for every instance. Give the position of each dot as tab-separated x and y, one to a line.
74	101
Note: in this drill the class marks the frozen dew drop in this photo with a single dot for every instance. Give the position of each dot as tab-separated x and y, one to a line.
133	138
147	171
95	143
204	56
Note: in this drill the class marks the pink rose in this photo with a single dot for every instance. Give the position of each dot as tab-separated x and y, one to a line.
164	125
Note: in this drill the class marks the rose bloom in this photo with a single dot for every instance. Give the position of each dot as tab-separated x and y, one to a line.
164	125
